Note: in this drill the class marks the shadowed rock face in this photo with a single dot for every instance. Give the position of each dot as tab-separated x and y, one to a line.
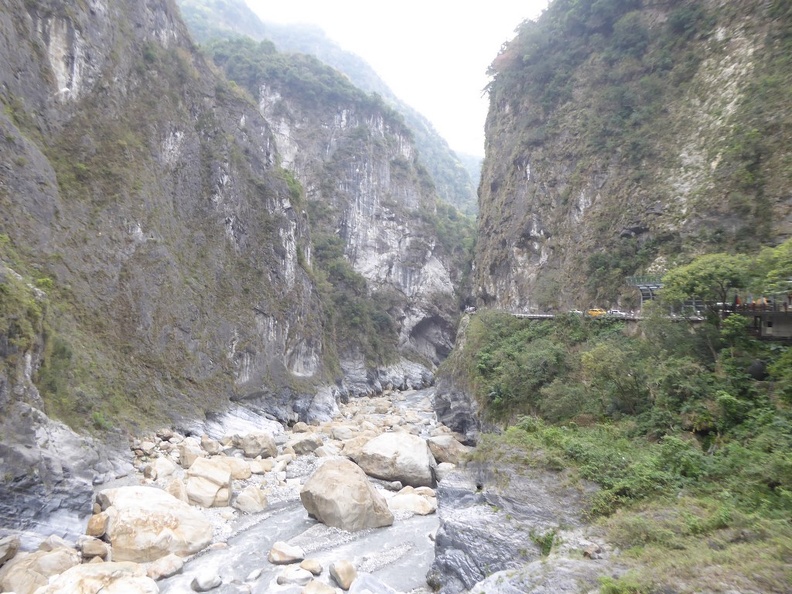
48	471
488	516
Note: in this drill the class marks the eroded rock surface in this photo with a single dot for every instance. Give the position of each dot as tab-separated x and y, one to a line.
340	495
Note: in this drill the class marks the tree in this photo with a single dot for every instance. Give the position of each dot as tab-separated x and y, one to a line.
713	278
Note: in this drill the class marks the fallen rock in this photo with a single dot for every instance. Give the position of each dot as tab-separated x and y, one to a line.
257	444
282	553
261	466
398	457
178	489
208	484
27	572
165	467
189	451
145	523
165	567
237	467
317	587
8	548
109	578
339	494
206	581
91	547
210	446
445	448
410	501
97	525
344	573
251	500
295	575
305	443
443	470
312	565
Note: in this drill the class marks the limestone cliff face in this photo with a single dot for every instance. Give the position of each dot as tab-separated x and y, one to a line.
143	195
624	136
359	163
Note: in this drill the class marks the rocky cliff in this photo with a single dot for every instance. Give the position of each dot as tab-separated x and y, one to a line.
210	19
143	195
624	136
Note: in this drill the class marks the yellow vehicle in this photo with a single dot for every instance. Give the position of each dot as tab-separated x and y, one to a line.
596	312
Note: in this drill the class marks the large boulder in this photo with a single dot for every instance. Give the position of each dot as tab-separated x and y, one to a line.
27	572
257	444
238	467
208	483
104	578
398	457
146	523
339	494
446	448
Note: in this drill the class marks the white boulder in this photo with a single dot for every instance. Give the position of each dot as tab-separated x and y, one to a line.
339	494
146	523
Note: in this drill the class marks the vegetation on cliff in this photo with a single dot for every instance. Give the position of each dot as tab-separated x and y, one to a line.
687	428
624	135
212	19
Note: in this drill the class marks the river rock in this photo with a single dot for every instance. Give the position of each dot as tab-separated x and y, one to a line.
97	525
145	523
312	565
203	582
107	578
210	446
445	448
344	432
164	567
295	575
331	449
237	467
444	469
27	572
305	443
282	553
261	466
339	494
91	547
165	467
352	447
257	444
344	573
398	457
317	587
178	489
408	500
251	500
8	548
208	484
368	584
189	450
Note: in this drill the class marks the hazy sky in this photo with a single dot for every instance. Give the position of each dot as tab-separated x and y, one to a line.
433	53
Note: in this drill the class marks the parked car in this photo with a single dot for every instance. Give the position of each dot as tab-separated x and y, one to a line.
617	313
596	312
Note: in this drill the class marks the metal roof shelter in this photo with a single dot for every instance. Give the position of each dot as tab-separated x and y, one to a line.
647	285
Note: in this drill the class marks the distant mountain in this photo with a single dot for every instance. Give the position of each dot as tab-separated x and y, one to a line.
208	19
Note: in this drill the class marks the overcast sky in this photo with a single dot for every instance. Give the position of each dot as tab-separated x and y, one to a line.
433	53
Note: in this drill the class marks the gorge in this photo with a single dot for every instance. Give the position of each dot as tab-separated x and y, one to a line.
206	241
